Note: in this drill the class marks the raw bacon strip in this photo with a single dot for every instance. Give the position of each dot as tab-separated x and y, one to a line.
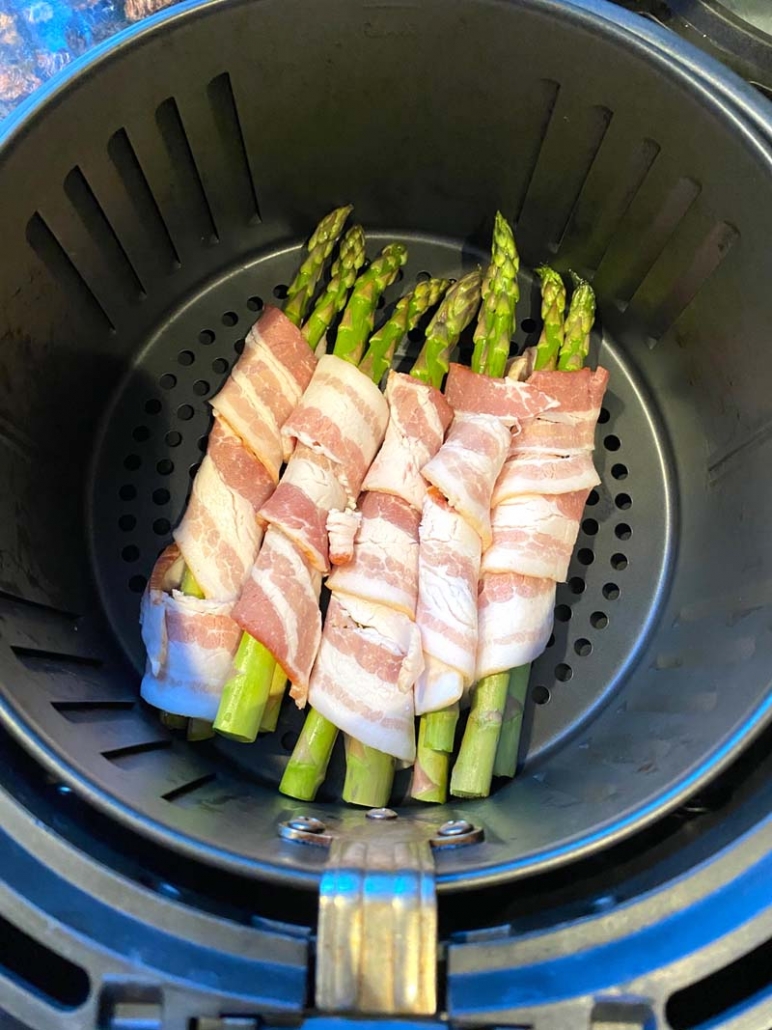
437	687
535	535
308	491
190	644
448	572
544	474
467	465
279	607
515	621
384	568
342	528
342	415
218	535
265	386
369	659
569	427
418	419
509	400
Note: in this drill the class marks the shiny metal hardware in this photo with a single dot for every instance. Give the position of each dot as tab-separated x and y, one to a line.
382	814
377	936
305	830
377	940
455	828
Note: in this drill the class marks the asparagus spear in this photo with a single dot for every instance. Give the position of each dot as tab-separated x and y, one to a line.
406	316
369	775
500	294
579	320
273	701
345	269
505	763
357	322
553	303
430	773
307	766
189	584
320	247
553	306
454	315
492	338
200	729
473	779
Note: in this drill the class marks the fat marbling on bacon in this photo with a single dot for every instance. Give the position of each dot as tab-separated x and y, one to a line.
371	655
190	643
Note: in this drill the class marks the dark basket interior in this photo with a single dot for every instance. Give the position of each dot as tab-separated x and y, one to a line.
156	201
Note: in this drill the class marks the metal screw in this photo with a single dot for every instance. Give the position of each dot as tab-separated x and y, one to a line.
381	813
455	828
307	823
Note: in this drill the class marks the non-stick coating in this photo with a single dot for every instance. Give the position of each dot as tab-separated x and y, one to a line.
146	220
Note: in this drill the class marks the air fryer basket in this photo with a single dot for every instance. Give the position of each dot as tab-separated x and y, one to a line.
157	200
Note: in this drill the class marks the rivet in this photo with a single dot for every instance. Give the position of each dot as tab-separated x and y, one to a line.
455	828
307	823
381	813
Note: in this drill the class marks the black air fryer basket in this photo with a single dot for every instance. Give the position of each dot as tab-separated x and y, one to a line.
156	199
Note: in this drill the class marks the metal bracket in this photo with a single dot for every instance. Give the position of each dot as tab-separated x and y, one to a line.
377	938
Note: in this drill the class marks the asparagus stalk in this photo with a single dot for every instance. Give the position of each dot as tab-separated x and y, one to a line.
406	316
492	339
274	700
369	775
200	729
430	773
456	312
436	731
246	692
454	315
553	303
358	318
553	306
500	294
505	763
345	269
473	771
579	320
441	728
307	767
189	584
320	247
172	721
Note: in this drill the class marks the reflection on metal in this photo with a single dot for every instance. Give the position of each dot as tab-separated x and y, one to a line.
377	942
377	939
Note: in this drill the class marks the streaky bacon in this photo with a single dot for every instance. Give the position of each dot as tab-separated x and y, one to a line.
218	535
342	528
544	474
279	606
342	415
515	621
384	566
308	491
466	467
448	573
368	661
535	534
190	644
419	416
265	386
508	399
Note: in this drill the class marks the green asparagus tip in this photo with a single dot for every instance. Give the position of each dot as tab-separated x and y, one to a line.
330	227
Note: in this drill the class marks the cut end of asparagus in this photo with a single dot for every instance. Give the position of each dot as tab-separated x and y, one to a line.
369	775
473	771
189	584
308	762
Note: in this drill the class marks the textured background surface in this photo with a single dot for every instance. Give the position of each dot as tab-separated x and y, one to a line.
40	37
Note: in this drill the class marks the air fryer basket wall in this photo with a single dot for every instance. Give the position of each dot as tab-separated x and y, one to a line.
157	200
